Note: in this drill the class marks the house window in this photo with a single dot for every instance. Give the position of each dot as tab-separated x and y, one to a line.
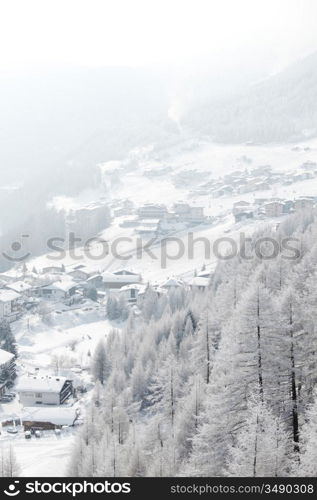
133	295
38	394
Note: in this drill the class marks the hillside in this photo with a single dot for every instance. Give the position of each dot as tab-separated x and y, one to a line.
283	108
215	383
56	124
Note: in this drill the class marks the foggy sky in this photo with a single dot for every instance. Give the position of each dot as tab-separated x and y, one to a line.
147	32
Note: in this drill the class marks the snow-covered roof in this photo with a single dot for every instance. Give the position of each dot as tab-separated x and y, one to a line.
8	295
5	356
7	277
274	202
160	290
199	281
64	285
246	210
19	286
155	205
125	272
76	266
241	203
120	278
305	198
54	415
147	229
146	222
48	269
172	282
83	271
143	288
94	276
40	384
136	286
80	267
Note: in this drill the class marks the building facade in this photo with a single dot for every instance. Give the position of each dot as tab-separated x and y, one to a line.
34	391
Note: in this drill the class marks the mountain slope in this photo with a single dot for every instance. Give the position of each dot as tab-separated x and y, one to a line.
281	108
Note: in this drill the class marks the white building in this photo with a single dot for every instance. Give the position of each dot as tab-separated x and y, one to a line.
9	305
152	211
20	287
274	209
44	390
53	270
88	220
199	283
118	279
240	206
131	292
304	204
186	212
148	227
59	290
80	273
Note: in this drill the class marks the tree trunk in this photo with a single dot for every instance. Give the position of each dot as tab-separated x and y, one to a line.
255	447
260	375
207	352
293	387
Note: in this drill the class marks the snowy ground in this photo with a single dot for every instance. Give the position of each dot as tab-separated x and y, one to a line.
62	342
71	334
40	457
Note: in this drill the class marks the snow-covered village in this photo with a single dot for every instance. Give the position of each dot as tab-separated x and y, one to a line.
158	254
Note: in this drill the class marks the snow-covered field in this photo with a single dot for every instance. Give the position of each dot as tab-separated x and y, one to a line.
70	334
39	457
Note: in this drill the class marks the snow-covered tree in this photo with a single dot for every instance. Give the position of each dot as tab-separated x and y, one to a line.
306	465
9	466
260	447
7	338
101	365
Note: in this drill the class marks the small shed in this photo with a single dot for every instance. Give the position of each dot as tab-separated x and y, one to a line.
49	418
131	292
199	283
